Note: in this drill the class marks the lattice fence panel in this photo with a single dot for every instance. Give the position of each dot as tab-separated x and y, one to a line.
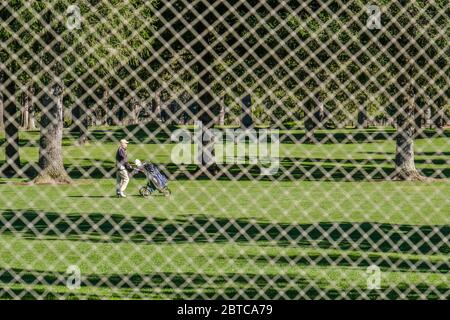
305	146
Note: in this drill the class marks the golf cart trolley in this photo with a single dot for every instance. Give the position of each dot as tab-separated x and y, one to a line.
156	181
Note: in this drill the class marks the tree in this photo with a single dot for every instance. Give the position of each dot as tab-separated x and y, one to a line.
11	122
222	113
314	110
50	147
117	39
406	127
101	112
246	118
405	51
156	105
28	113
50	142
10	111
2	124
206	100
205	95
117	33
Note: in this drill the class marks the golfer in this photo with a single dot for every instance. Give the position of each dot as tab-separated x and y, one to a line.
122	167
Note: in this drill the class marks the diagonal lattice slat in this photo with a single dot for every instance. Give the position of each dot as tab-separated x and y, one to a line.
305	144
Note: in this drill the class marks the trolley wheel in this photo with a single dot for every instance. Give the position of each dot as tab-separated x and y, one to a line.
167	192
143	191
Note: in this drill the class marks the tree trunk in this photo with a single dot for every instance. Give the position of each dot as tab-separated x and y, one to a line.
105	107
11	122
79	126
121	114
206	100
133	111
2	125
438	117
79	117
418	119
157	105
31	118
164	106
25	113
84	124
405	168
174	114
404	156
362	119
313	117
75	118
50	144
427	114
404	159
246	118
28	122
222	113
183	104
419	115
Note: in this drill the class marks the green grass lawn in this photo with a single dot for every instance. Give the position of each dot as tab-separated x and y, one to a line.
311	235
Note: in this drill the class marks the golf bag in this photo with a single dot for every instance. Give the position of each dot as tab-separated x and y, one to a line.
155	180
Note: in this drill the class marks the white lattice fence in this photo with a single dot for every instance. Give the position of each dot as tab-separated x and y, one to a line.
305	145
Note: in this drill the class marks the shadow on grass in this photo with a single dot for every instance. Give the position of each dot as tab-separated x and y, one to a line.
307	169
355	136
353	260
96	197
392	154
156	133
198	286
98	227
152	132
291	168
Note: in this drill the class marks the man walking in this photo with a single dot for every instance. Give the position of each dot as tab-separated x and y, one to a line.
122	167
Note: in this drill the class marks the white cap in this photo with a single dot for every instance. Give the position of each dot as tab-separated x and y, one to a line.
138	162
123	141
